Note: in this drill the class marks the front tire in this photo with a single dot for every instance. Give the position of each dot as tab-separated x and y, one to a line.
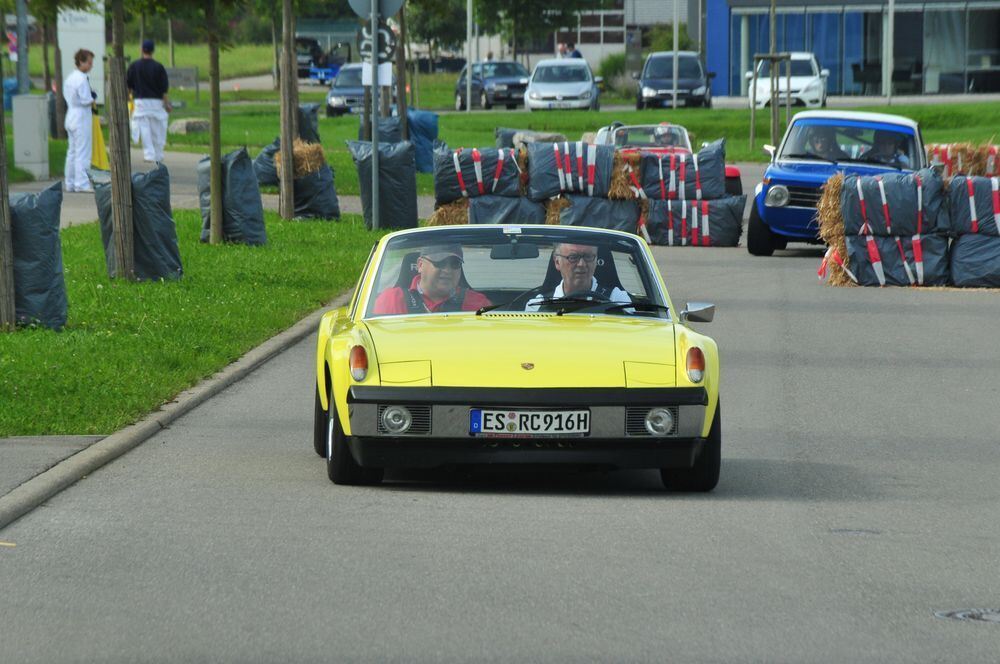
639	105
319	426
484	101
459	106
511	107
703	476
341	467
760	238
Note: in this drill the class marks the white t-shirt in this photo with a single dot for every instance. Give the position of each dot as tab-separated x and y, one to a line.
617	295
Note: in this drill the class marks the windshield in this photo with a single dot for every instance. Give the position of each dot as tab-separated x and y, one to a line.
663	67
562	74
655	136
799	68
830	140
535	270
501	69
348	78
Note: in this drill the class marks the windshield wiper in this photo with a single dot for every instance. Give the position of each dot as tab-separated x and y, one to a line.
638	304
807	155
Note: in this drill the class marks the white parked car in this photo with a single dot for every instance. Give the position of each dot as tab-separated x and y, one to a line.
808	82
563	84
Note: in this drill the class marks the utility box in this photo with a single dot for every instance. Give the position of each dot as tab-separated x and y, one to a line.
31	135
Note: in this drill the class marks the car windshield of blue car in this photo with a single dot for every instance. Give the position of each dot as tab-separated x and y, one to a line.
562	74
799	68
851	143
348	78
491	272
663	67
503	69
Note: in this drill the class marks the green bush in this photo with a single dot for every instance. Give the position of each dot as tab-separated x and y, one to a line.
612	66
661	38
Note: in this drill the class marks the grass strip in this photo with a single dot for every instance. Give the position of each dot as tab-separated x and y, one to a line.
127	348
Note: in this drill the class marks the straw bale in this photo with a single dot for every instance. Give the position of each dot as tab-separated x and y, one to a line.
979	160
307	158
522	166
589	136
831	229
620	188
553	207
455	213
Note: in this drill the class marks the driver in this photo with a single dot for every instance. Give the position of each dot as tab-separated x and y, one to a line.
822	142
885	149
665	136
576	263
437	287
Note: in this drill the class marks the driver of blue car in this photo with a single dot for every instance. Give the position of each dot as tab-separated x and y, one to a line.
576	264
822	141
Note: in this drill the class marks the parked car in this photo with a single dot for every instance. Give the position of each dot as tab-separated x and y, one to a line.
347	95
817	145
561	84
404	381
308	53
493	83
656	82
808	82
662	138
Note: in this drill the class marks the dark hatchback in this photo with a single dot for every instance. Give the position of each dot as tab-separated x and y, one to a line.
496	83
656	82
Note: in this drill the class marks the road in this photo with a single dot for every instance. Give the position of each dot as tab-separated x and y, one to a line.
857	498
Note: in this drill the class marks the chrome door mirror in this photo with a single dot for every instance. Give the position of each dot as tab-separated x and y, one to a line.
698	312
770	149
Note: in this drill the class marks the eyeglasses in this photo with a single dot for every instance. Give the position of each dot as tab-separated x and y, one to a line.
450	263
576	258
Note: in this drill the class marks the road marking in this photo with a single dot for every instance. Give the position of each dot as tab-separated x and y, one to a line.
8	544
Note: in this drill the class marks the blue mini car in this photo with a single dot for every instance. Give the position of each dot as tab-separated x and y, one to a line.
818	145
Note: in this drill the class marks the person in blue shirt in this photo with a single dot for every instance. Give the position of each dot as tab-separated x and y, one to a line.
885	149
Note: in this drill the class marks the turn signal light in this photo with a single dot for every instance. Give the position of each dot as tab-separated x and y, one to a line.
695	365
359	363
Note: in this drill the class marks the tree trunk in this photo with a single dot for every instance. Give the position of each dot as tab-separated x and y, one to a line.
215	139
289	78
7	314
170	41
276	67
60	101
121	159
401	75
45	57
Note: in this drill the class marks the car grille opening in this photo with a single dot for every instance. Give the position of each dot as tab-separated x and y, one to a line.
635	421
421	425
804	196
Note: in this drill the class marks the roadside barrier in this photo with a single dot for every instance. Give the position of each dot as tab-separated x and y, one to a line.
242	208
39	286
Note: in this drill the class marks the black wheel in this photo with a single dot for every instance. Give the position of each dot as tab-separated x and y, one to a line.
734	186
484	101
511	107
341	467
707	103
319	426
639	105
760	238
704	474
459	106
330	113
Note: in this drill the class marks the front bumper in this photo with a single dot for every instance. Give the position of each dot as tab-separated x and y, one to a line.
515	96
557	104
667	100
810	99
448	441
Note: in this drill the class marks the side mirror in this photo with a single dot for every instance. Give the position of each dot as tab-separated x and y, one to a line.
698	312
749	75
825	73
770	149
710	75
635	76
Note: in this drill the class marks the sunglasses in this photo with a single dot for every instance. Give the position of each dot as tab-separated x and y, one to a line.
451	263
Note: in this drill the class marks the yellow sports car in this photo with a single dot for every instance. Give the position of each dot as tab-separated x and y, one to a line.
490	344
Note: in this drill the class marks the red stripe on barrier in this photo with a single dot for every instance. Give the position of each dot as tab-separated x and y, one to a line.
673	181
458	172
477	160
499	171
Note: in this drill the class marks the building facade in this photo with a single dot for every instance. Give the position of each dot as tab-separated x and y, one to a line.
942	47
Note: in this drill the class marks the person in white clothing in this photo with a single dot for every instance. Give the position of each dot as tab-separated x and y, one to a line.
577	263
147	81
79	123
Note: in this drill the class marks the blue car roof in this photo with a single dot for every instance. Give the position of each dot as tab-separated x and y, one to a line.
862	124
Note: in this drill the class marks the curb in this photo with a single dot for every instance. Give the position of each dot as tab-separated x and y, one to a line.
64	474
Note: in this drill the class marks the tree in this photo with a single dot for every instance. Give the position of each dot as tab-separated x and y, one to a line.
438	22
524	20
118	143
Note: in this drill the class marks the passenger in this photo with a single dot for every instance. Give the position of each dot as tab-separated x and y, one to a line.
822	142
885	150
576	263
437	287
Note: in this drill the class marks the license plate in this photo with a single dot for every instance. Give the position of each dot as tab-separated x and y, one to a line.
528	423
560	104
501	87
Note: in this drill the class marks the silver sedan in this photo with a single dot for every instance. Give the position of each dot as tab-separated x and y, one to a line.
563	84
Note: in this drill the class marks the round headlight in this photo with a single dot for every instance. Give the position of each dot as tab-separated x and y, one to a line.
396	419
659	422
777	196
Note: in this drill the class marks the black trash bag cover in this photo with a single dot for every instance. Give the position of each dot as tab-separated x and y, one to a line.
505	136
397	182
390	129
423	126
915	201
975	260
897	262
573	174
505	210
685	176
309	122
600	213
263	165
494	176
242	208
316	195
39	287
683	223
154	234
984	202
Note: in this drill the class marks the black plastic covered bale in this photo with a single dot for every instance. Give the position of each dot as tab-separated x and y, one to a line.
242	208
423	128
505	136
316	195
390	130
600	213
263	165
39	287
497	173
915	202
715	223
309	122
154	234
974	205
397	182
505	210
685	176
975	261
896	257
582	168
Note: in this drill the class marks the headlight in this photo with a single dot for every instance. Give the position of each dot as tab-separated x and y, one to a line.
359	363
648	92
697	92
337	101
534	95
585	95
396	419
659	422
695	365
777	196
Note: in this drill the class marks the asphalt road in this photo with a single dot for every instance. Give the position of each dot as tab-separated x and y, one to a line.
858	497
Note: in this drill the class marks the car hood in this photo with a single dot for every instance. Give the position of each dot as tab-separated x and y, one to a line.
811	173
494	350
668	83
